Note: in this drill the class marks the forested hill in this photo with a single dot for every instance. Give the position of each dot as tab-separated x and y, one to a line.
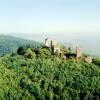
9	44
37	74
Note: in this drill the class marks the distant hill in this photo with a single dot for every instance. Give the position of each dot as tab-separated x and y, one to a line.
9	44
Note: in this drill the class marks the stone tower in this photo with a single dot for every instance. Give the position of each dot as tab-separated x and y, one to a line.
79	53
48	43
53	45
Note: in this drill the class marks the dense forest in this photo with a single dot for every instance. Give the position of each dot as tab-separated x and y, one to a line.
37	74
10	44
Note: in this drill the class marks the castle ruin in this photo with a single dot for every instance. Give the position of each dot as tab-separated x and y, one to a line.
56	49
52	44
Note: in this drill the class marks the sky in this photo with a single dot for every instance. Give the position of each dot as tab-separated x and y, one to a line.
70	17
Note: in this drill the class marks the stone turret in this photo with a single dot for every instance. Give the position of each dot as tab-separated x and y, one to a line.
79	53
48	43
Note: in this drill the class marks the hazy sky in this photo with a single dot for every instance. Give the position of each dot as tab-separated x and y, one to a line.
50	16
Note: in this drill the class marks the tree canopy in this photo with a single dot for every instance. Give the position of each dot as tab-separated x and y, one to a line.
36	74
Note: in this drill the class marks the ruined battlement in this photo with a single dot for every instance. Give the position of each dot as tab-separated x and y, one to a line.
54	45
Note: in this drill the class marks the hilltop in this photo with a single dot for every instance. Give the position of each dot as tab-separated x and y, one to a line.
39	74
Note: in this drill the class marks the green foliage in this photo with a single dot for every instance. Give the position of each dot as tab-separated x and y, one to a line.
44	53
97	61
30	54
64	49
36	74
